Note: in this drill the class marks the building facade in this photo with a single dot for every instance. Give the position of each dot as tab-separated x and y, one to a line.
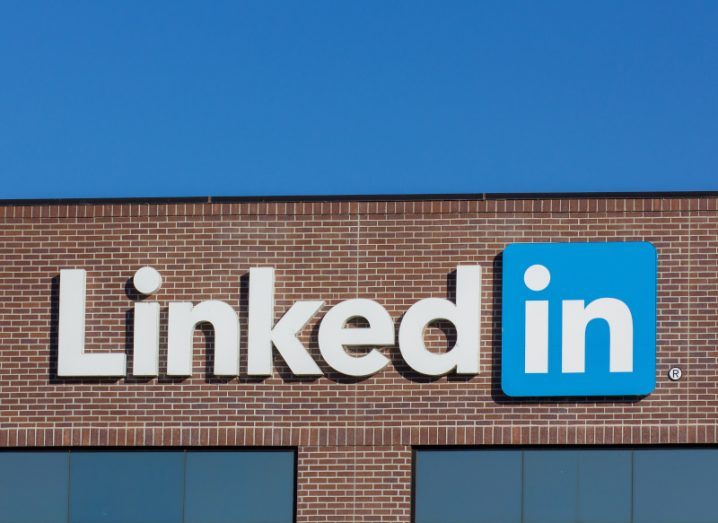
355	440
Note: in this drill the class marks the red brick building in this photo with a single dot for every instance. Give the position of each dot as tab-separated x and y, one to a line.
354	437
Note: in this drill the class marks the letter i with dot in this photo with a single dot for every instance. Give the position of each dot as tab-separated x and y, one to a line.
536	278
146	342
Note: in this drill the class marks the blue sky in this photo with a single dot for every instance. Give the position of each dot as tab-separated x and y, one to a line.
113	99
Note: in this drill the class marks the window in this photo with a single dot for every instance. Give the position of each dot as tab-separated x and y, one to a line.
147	486
566	486
265	492
448	485
33	487
141	487
681	485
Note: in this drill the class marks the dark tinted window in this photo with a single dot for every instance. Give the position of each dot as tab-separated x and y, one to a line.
120	487
33	487
147	487
446	479
676	486
241	487
567	486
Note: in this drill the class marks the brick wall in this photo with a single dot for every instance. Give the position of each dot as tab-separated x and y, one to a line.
354	436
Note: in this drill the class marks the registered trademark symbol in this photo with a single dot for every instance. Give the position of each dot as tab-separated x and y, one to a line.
674	374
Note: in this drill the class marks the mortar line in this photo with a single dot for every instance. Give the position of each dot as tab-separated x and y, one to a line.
689	337
355	395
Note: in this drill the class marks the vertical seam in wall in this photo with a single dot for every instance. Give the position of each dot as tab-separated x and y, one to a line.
69	483
355	394
633	489
184	485
577	514
356	255
689	311
523	483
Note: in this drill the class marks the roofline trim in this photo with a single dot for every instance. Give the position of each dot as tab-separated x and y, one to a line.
359	197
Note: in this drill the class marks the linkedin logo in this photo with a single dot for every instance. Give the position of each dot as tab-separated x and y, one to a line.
579	319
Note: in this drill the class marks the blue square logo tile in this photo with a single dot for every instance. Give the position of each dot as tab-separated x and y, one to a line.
579	319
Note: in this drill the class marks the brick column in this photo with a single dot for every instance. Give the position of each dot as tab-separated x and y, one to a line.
354	484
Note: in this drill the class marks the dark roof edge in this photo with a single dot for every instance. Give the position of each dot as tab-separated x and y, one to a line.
359	197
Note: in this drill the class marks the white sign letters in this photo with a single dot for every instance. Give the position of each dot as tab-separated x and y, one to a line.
263	334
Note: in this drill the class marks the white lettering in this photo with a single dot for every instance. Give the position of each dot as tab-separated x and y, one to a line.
466	317
72	360
184	317
283	335
263	334
334	336
576	318
146	337
536	278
